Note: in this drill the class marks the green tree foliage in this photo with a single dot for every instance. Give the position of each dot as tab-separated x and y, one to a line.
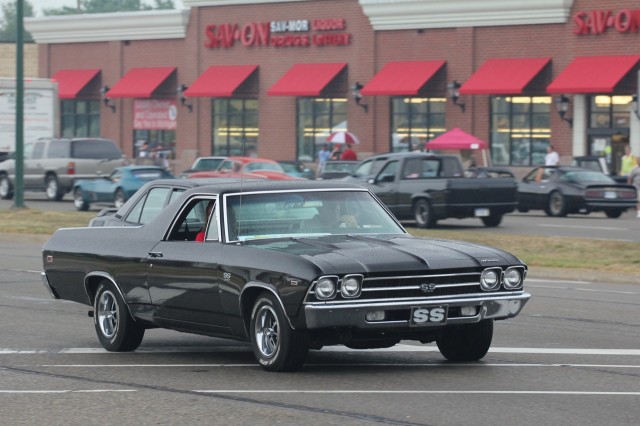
8	21
107	6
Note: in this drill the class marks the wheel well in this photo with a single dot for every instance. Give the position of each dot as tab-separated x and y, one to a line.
248	299
92	282
48	174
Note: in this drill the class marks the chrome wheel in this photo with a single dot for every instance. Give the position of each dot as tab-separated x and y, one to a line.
5	188
557	205
53	189
108	314
78	200
266	330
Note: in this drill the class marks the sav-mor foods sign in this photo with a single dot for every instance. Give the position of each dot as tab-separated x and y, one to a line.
287	33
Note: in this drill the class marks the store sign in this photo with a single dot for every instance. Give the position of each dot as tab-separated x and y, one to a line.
155	114
291	33
597	22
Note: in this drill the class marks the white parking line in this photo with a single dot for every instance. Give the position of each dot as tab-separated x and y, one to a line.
421	392
435	365
604	228
396	348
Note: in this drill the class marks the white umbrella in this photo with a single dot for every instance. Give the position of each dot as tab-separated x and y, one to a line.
343	137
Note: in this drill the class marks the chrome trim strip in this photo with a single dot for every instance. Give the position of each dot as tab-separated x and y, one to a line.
47	285
412	300
113	281
265	287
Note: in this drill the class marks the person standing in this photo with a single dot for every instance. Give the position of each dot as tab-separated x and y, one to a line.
634	179
552	158
323	155
629	161
349	154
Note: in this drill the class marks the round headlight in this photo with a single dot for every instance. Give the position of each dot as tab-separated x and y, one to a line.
326	288
350	287
512	278
489	279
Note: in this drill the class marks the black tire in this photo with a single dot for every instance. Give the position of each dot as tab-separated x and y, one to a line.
556	205
119	198
116	329
79	201
423	214
466	342
492	220
277	347
611	213
6	189
52	188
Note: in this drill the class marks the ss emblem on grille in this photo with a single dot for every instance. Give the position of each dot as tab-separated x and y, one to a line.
427	288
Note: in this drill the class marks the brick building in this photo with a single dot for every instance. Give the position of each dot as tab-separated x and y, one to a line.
275	78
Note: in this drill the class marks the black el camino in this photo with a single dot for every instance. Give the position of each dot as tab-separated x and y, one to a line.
289	266
563	190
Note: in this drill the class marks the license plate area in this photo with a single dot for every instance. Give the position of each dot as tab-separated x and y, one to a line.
610	194
424	316
481	212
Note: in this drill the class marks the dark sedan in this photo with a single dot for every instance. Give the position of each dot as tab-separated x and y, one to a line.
288	266
564	190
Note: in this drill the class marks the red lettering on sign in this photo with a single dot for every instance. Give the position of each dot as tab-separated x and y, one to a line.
625	22
597	22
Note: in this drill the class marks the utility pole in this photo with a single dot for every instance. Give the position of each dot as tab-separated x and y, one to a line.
19	180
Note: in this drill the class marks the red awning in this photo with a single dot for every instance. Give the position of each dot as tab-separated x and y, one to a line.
504	76
402	78
593	74
220	81
140	82
71	82
306	79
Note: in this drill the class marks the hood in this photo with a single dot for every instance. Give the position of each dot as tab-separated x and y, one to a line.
340	254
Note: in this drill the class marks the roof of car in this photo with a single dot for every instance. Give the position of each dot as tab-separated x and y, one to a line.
220	186
411	154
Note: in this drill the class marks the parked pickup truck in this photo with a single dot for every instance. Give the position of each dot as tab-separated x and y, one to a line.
427	188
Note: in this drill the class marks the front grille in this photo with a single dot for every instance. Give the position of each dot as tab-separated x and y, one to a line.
379	288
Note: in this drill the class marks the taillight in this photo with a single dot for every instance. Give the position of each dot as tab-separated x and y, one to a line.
71	168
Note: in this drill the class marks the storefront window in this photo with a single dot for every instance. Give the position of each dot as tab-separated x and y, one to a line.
80	119
520	130
317	119
235	127
415	121
609	112
157	147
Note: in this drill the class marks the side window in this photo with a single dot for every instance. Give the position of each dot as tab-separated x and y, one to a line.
28	150
38	151
412	168
430	168
191	221
388	173
148	207
451	167
116	176
212	229
59	148
175	194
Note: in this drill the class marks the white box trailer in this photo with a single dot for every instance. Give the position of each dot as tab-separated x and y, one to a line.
41	118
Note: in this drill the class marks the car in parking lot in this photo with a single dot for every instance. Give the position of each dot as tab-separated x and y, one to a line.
203	164
337	169
117	188
563	190
297	169
247	167
287	266
53	165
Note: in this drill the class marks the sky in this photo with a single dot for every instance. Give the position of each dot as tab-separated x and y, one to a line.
54	4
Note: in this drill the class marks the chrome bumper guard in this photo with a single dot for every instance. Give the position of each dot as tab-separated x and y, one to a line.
322	315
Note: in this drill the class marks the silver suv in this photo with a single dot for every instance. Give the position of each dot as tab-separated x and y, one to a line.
52	165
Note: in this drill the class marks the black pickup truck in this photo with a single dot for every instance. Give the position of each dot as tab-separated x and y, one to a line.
426	187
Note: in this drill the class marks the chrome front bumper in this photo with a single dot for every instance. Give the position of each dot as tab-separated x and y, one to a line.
45	282
322	315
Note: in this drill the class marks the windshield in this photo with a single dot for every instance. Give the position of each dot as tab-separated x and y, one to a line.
587	176
306	213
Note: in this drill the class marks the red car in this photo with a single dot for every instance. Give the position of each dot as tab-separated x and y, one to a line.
247	167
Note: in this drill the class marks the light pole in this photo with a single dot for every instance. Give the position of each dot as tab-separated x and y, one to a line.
19	181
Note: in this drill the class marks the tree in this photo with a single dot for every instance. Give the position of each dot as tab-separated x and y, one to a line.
108	6
8	21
